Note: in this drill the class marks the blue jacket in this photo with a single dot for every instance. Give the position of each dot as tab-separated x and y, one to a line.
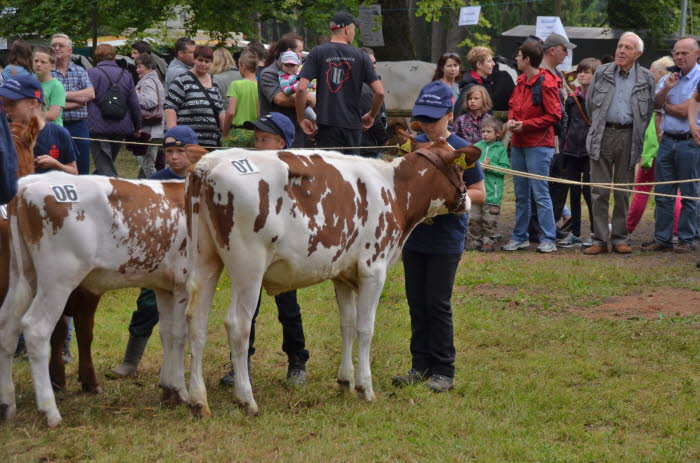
8	162
131	122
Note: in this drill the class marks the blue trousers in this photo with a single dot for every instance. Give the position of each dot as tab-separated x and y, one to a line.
80	129
535	160
677	160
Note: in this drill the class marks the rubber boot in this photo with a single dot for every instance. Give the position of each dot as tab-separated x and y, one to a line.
132	358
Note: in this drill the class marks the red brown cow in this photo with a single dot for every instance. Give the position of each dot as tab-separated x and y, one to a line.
289	219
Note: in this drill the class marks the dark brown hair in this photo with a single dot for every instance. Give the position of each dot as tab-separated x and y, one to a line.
203	51
21	54
286	42
588	64
440	69
533	50
146	60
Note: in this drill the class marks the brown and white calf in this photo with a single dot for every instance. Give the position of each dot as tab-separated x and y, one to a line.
96	233
290	219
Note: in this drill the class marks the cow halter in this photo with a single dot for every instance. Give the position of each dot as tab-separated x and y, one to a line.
451	172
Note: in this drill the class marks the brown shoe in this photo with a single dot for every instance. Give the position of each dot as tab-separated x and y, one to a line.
655	246
622	248
596	249
683	248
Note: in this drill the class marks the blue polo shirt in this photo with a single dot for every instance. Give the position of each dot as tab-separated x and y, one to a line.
681	92
444	234
55	141
8	162
165	174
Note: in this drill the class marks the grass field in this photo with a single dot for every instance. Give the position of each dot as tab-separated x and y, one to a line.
537	380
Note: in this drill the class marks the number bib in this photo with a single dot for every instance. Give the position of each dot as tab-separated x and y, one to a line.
245	166
65	193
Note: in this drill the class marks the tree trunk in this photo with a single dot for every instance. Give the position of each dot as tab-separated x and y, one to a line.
396	28
455	34
438	39
420	29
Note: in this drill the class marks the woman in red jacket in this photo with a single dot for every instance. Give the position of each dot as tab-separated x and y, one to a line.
534	110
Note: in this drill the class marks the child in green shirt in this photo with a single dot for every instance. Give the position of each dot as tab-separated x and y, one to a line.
242	103
483	218
54	92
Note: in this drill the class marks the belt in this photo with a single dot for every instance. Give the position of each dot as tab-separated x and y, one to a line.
679	136
613	125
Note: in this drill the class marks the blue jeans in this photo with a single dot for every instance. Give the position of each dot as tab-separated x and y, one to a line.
80	129
677	160
535	160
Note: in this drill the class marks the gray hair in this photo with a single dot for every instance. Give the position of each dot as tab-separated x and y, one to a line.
63	36
640	42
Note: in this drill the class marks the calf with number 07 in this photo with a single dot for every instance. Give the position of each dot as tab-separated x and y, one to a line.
289	219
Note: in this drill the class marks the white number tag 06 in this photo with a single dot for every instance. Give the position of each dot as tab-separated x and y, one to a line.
65	193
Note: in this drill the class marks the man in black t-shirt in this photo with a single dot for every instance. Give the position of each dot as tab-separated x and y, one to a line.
340	70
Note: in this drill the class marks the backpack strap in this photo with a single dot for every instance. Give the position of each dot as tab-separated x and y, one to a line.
580	108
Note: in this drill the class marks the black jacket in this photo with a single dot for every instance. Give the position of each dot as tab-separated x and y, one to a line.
573	140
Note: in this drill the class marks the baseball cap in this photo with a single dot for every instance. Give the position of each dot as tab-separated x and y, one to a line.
289	57
434	101
20	87
182	134
342	19
557	39
275	123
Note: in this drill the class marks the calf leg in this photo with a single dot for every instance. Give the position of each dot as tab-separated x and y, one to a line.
345	296
173	332
57	370
82	306
369	292
38	324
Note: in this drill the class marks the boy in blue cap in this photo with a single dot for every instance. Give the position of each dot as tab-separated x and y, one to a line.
431	255
145	317
54	149
274	131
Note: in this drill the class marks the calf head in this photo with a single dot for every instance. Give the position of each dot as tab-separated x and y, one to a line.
448	162
194	154
24	135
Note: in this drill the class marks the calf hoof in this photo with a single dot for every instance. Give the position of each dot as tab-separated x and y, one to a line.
251	409
91	389
53	420
365	393
345	385
167	395
7	412
200	410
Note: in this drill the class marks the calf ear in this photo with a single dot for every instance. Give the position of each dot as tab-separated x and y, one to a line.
406	140
469	154
195	153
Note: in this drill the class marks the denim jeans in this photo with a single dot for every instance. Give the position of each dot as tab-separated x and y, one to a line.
535	160
677	160
80	129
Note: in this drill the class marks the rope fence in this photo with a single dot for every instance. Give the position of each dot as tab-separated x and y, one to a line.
610	186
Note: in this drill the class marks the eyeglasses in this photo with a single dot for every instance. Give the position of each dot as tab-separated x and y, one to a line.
58	45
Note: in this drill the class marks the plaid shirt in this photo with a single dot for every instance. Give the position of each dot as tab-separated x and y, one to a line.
76	78
468	127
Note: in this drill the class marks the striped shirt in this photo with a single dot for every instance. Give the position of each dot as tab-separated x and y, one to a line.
194	109
76	78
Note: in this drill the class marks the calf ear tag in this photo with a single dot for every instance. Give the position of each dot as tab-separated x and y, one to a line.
65	193
244	166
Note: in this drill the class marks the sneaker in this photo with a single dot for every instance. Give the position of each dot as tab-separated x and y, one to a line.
656	247
440	383
561	234
296	375
674	240
67	357
487	248
588	243
571	241
410	378
514	245
683	248
547	246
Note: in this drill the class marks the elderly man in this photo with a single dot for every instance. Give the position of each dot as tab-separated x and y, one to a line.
679	156
620	104
341	69
79	91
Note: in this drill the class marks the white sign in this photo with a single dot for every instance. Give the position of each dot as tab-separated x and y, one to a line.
469	15
547	25
370	18
245	166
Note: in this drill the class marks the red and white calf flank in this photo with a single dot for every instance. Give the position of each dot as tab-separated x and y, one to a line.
290	219
98	234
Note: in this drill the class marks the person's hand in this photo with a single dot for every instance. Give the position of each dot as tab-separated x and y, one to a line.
367	121
515	126
309	127
46	162
671	81
695	130
486	162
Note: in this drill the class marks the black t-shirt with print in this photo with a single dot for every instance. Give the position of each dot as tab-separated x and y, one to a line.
340	70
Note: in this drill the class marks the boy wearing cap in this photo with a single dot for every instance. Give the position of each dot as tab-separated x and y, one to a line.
54	150
431	255
274	131
340	70
145	317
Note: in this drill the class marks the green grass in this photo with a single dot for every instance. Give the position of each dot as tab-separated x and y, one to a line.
534	383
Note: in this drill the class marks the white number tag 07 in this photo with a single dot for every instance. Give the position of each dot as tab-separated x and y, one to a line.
245	166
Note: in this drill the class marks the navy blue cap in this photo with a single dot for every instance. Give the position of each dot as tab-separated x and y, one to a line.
274	123
434	101
342	19
182	134
20	87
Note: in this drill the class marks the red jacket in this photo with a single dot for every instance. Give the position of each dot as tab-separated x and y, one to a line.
538	121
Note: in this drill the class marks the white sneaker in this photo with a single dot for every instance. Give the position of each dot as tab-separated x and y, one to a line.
514	245
547	246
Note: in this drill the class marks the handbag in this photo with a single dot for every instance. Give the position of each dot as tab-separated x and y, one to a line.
150	117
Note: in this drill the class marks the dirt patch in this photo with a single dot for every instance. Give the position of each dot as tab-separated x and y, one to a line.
646	306
488	289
